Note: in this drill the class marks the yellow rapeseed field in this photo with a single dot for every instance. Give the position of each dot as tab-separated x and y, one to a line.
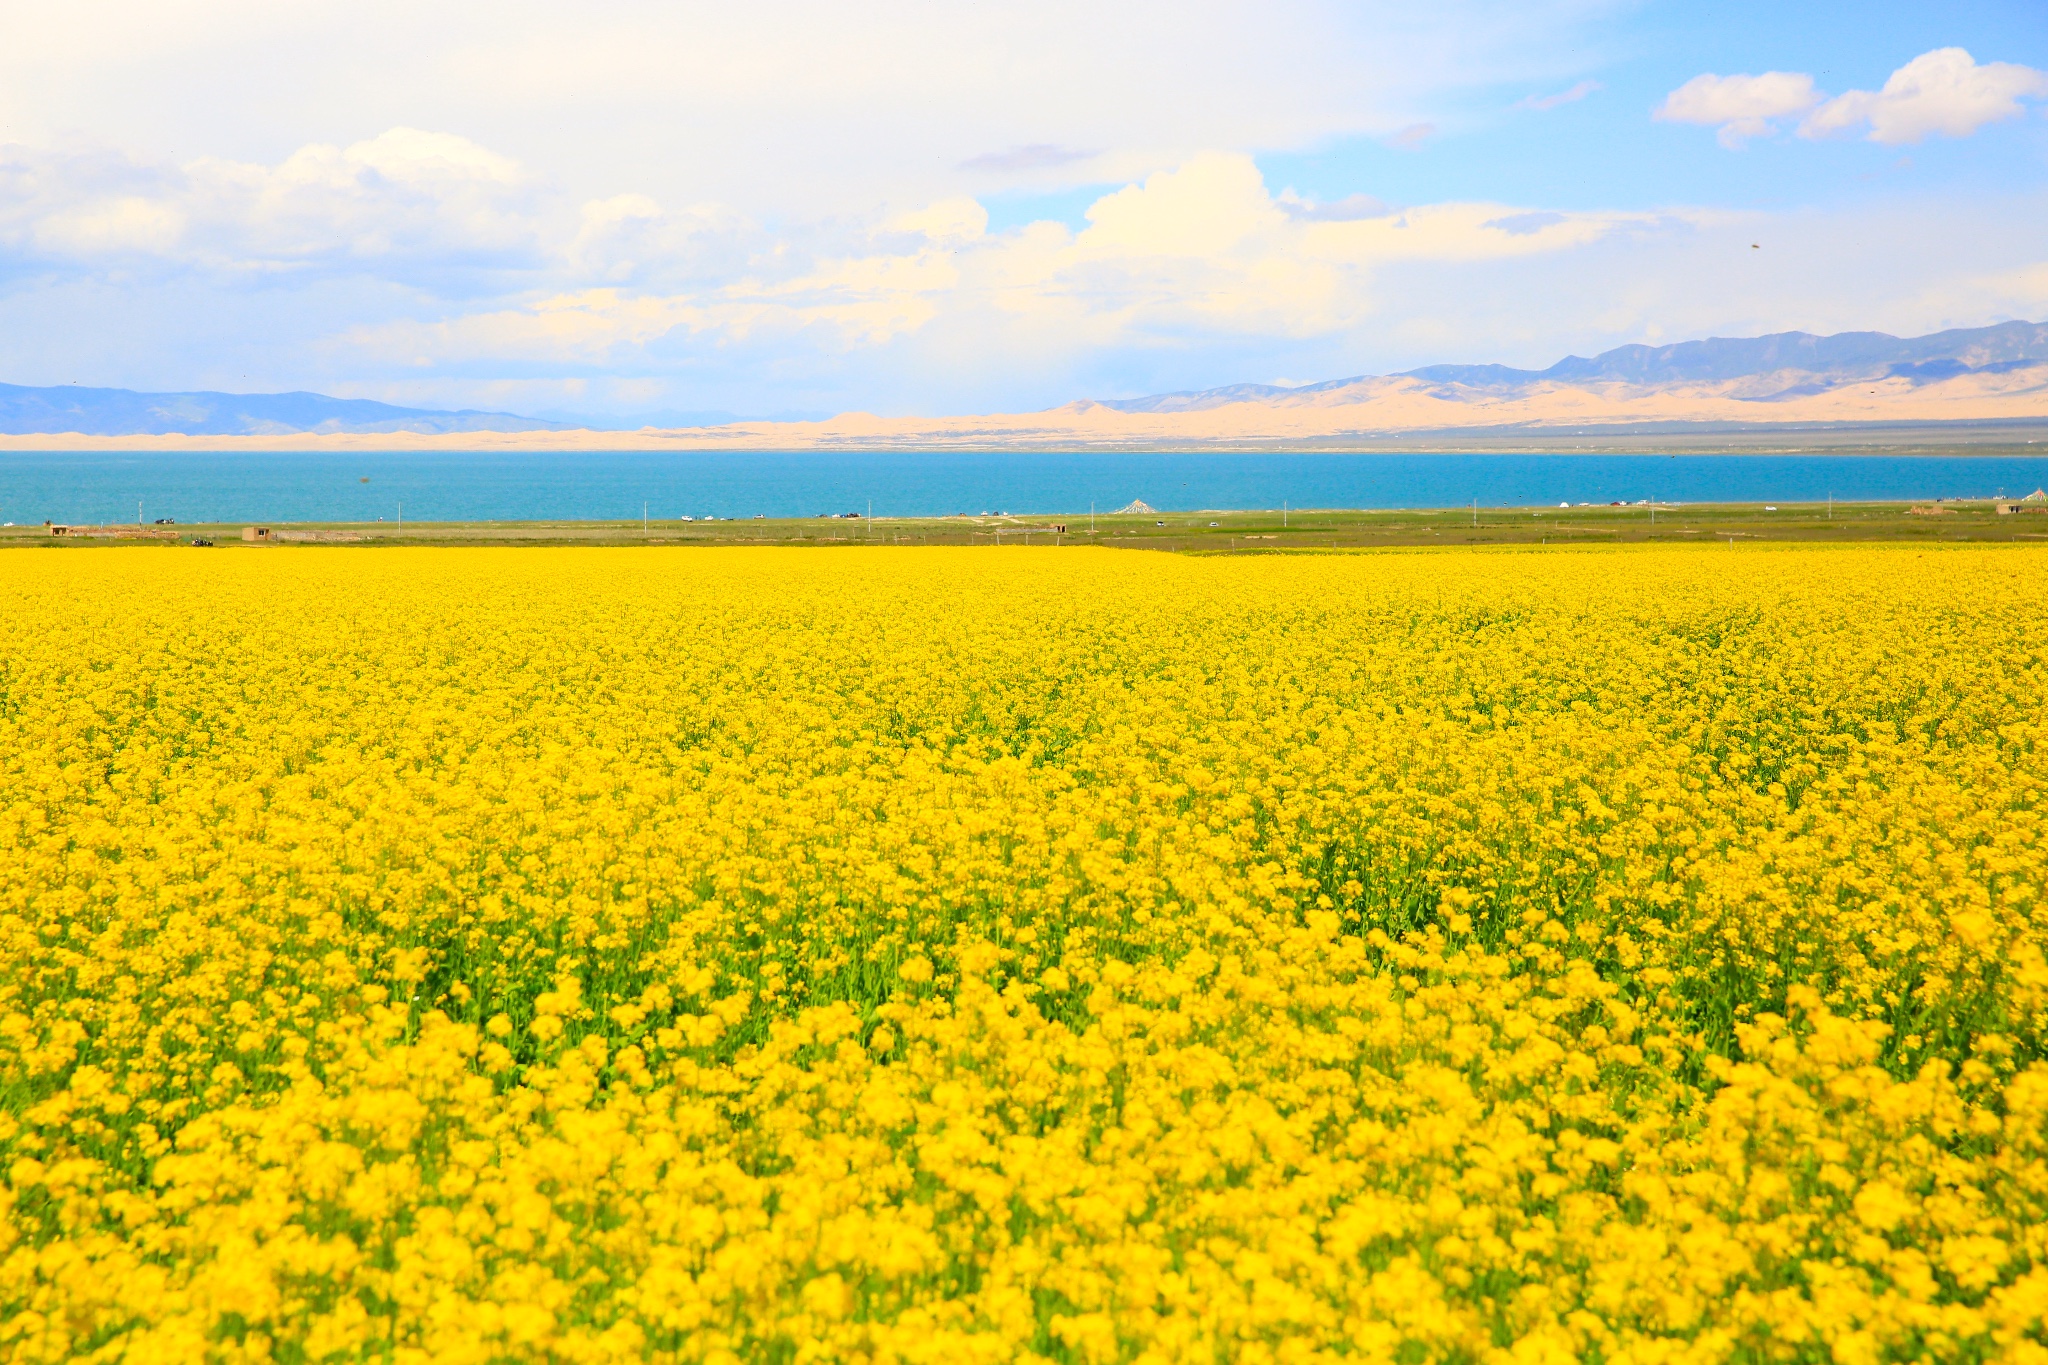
920	955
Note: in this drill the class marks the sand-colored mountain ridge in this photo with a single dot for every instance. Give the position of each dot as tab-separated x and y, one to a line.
1984	375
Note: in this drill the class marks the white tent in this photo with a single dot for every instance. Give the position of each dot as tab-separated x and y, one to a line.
1136	508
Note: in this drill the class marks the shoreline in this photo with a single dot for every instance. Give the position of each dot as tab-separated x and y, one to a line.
2002	437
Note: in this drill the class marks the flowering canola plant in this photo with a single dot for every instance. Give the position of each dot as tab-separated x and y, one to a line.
953	955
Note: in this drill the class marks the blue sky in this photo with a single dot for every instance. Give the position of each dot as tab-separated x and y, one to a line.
1604	151
632	212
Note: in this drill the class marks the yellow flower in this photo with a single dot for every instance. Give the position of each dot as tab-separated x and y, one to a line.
1471	956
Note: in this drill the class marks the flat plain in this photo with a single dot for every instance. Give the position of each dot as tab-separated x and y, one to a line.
1228	531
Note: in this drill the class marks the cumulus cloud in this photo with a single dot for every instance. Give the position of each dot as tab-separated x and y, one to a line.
404	198
584	326
1203	249
947	220
1944	91
781	106
1742	106
87	201
772	192
630	239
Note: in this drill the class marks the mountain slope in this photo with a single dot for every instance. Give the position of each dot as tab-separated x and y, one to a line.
1792	380
1784	365
124	412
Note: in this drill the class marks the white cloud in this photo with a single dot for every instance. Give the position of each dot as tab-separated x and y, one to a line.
1888	265
1038	156
405	156
946	221
629	239
781	105
1347	209
1742	106
127	225
1203	250
400	201
1034	316
588	326
772	196
2003	295
1944	91
1206	209
1545	103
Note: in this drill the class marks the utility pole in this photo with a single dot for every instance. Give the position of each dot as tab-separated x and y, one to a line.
1475	512
1091	518
401	516
643	518
1283	514
138	511
1831	504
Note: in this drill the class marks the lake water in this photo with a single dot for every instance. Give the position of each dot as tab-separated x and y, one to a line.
580	485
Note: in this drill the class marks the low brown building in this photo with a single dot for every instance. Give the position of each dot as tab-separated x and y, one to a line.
110	532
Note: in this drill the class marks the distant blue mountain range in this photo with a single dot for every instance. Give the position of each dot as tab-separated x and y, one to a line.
1845	355
1803	363
123	412
1824	361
